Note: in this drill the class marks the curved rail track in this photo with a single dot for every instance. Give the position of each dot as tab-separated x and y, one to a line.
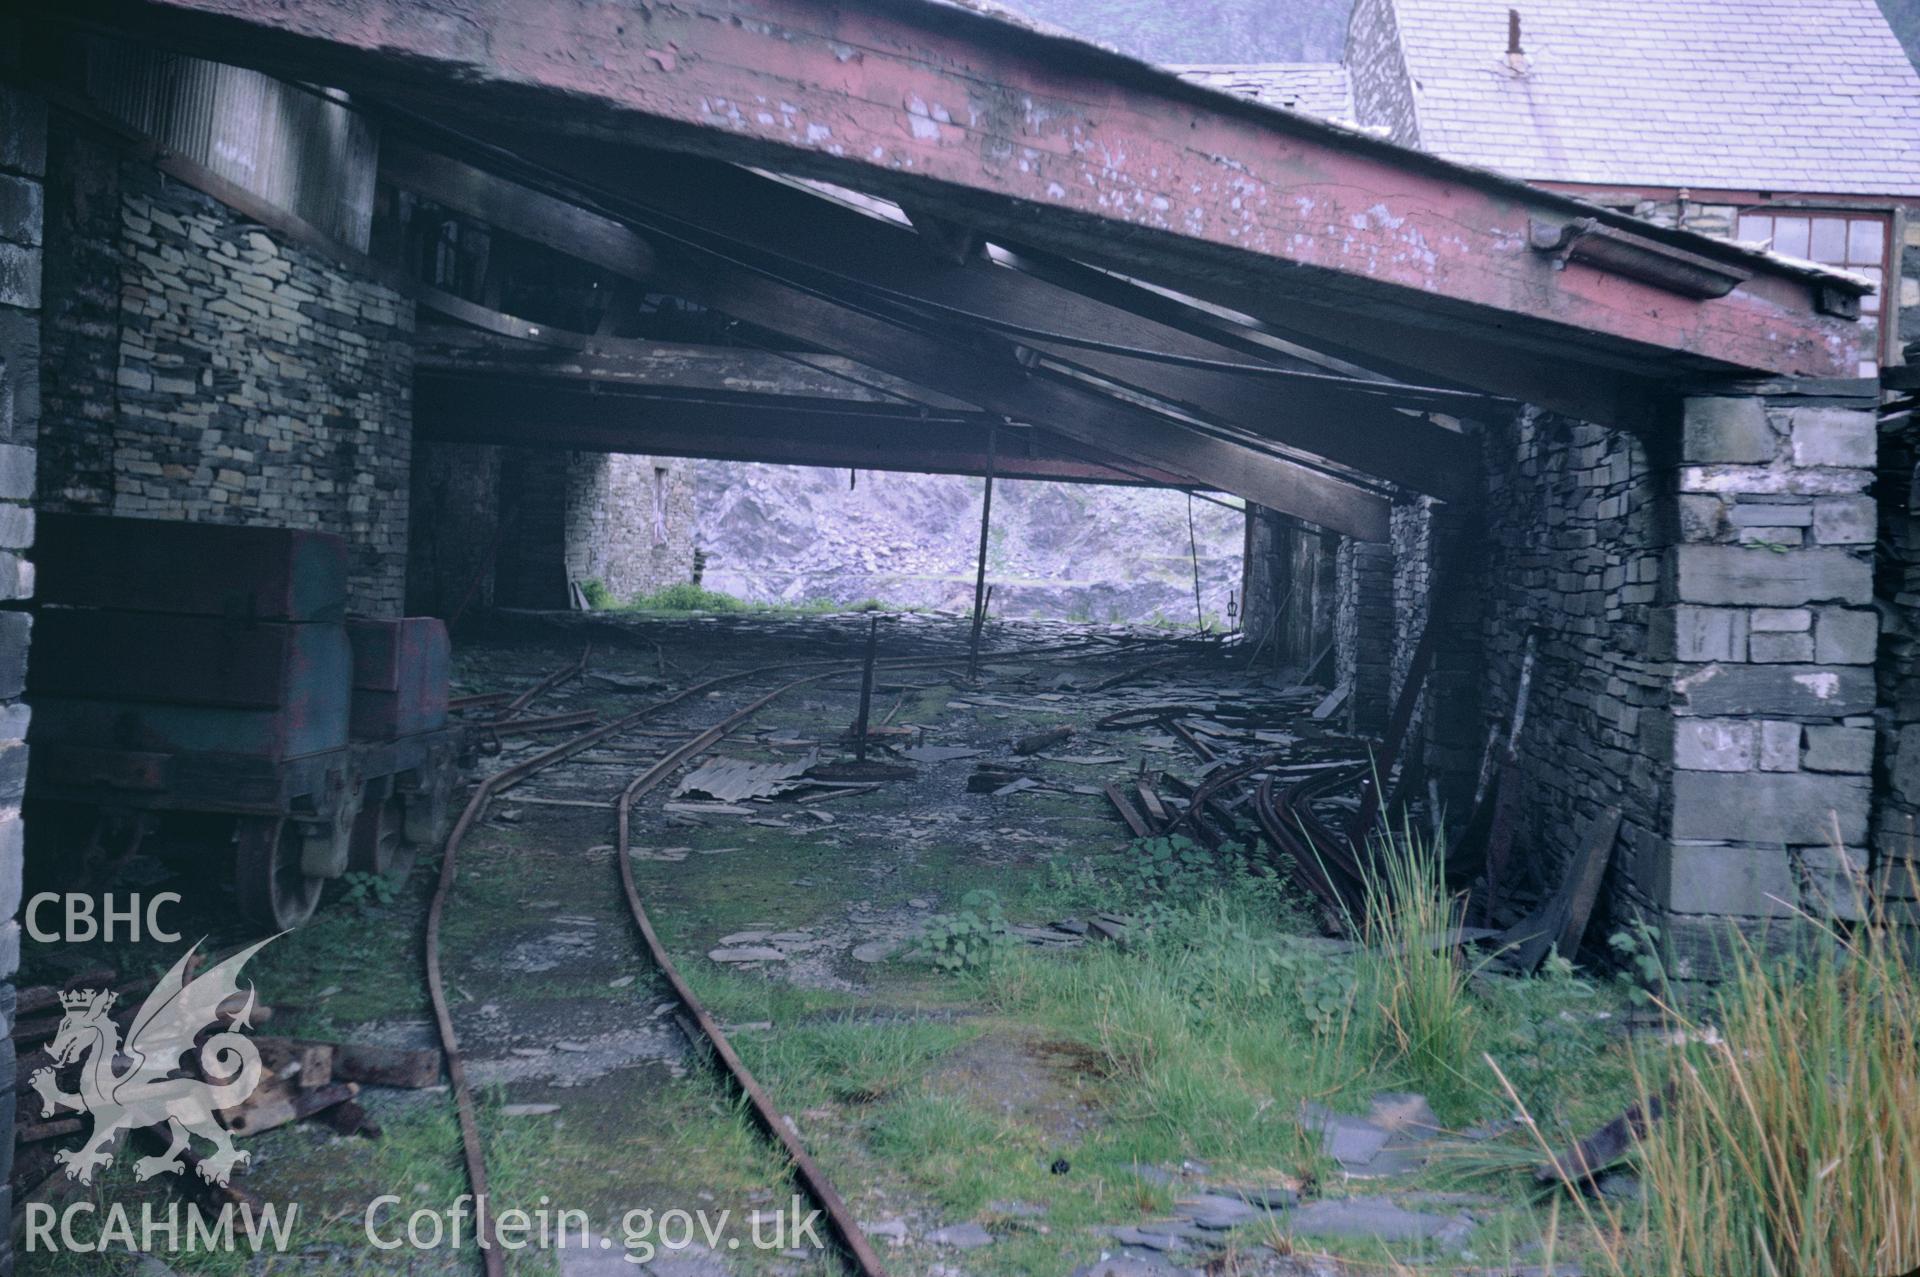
812	1180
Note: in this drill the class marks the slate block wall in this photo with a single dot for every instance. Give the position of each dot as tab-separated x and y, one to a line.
1364	628
1774	638
1447	734
1571	551
531	567
1896	816
629	522
203	370
1291	590
453	528
23	131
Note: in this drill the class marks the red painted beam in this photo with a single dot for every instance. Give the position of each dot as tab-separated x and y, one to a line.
1119	162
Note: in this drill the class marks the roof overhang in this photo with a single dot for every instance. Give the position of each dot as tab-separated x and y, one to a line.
1053	142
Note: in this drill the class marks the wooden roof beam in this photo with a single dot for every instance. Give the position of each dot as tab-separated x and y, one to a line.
525	412
1001	386
1312	413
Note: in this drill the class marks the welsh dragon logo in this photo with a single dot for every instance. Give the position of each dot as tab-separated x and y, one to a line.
139	1082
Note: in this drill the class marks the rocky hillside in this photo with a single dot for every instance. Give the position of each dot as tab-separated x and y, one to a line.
794	534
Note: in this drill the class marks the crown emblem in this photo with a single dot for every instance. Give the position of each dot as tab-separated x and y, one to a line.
82	999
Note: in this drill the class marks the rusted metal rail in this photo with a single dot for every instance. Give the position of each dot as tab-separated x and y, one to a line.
1323	860
472	1153
811	1177
546	684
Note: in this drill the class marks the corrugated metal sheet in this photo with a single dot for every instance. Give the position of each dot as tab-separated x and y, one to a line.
299	147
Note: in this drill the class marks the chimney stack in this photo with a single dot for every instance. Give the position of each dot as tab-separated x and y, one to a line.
1516	55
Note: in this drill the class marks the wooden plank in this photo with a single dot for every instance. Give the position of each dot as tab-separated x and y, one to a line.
412	1068
1584	881
1002	125
1132	818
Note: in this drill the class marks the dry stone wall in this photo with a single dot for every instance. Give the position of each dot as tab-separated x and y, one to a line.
23	124
1574	536
204	370
1364	628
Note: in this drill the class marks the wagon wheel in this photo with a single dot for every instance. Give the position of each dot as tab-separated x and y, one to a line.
428	807
380	844
273	889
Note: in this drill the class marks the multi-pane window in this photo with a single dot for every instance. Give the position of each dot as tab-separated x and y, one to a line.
1856	242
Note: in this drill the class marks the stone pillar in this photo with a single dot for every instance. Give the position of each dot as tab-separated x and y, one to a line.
454	534
1364	630
1773	636
1896	815
1290	592
1263	575
23	135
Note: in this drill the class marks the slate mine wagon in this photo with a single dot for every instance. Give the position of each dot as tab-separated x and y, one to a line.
213	670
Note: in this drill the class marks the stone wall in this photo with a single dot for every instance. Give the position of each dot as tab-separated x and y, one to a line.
1573	537
1377	64
23	130
1773	639
200	369
1896	816
514	527
1291	589
1364	629
629	522
453	528
530	569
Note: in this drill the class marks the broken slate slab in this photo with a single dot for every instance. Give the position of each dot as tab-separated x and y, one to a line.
1218	1211
1354	1142
967	1236
1147	1265
1269	1197
1153	1237
875	950
1380	1219
747	953
939	753
1407	1115
894	1230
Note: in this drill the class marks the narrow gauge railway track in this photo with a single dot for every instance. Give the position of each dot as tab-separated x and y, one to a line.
815	1183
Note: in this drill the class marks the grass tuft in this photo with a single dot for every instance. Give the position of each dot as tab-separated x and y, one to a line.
1790	1143
1415	1004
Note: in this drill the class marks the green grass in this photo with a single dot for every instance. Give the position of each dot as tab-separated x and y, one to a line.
1413	1005
687	597
1790	1142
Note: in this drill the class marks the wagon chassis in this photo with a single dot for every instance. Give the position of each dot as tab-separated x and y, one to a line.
367	807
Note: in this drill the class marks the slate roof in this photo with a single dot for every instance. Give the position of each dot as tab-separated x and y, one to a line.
1318	88
1770	95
